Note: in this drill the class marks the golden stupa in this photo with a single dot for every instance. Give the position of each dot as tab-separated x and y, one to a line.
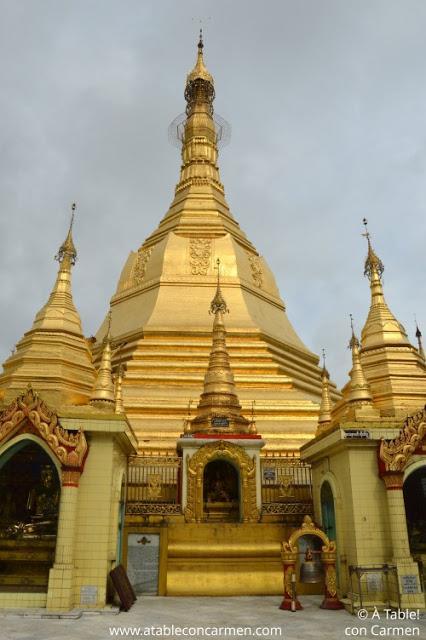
161	330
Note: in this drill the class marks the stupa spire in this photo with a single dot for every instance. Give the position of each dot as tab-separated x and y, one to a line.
55	345
381	327
324	417
199	143
219	408
103	391
358	389
59	311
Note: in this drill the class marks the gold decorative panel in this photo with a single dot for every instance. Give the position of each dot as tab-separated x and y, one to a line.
200	250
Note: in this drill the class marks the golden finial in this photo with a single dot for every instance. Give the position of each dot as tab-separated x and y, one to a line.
373	265
358	386
67	248
218	303
103	391
252	428
118	390
353	342
187	420
200	72
324	416
419	341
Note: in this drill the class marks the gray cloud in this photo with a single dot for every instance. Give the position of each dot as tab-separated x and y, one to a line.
326	101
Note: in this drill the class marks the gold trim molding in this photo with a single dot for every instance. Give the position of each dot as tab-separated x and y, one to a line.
247	471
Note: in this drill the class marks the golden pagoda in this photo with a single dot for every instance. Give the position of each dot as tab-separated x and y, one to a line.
158	309
53	355
395	370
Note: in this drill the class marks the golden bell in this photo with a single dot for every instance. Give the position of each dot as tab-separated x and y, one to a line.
310	571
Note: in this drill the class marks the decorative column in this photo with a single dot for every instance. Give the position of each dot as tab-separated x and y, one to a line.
408	570
394	481
61	587
328	559
289	558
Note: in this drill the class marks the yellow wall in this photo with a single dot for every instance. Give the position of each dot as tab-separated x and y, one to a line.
97	517
362	527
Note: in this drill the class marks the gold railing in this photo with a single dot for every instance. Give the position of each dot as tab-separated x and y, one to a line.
153	485
286	486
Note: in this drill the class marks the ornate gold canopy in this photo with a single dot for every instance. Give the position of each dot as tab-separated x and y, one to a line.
29	414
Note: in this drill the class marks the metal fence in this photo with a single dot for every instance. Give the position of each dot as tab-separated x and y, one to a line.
375	585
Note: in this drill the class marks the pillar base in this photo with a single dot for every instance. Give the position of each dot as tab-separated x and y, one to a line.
60	594
408	573
286	605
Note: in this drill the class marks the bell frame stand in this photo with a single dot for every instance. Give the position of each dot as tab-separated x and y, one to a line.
289	553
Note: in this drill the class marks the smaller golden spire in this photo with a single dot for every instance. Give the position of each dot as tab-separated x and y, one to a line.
252	428
187	420
419	342
118	391
324	417
358	390
59	312
219	408
103	391
381	327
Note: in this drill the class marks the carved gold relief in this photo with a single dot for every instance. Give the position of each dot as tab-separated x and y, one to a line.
200	250
396	453
287	579
139	266
256	269
29	414
330	581
285	483
195	473
154	485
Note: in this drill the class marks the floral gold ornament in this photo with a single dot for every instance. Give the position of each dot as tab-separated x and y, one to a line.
395	454
29	414
200	250
256	269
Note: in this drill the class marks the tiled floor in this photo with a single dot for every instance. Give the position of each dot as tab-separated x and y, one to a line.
260	614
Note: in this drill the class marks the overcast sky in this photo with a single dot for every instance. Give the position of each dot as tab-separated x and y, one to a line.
327	103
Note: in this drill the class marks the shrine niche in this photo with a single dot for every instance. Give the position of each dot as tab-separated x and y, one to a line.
221	491
30	489
221	481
